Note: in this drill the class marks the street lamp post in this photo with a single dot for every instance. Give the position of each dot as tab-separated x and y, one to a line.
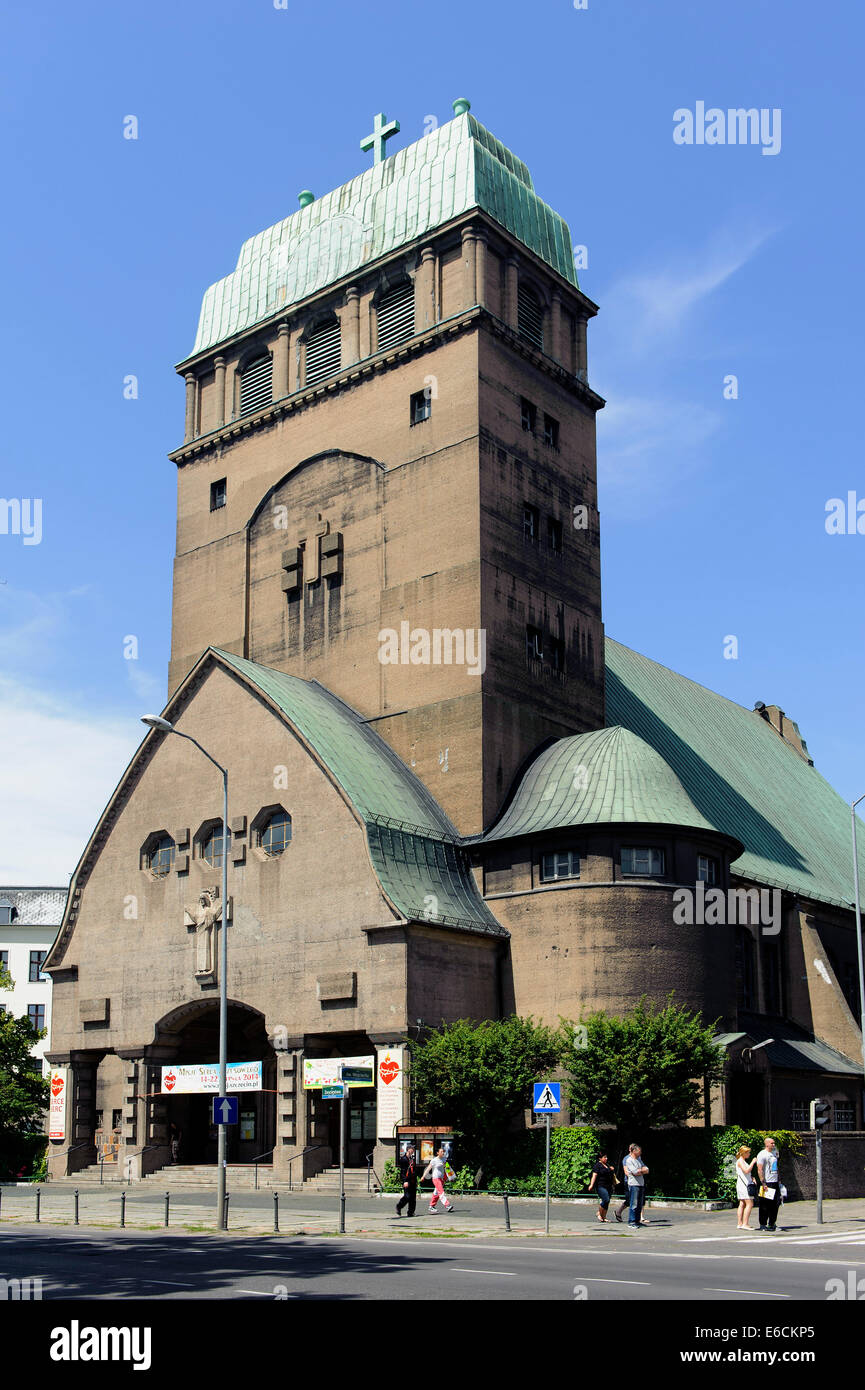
156	722
859	941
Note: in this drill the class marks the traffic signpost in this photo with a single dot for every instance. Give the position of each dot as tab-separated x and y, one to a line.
547	1101
820	1111
332	1092
225	1110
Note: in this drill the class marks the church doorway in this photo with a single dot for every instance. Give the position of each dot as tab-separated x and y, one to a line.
193	1035
360	1126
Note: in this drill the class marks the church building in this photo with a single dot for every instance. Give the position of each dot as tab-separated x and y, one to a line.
450	795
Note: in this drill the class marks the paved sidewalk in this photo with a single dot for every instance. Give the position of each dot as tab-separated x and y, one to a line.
299	1214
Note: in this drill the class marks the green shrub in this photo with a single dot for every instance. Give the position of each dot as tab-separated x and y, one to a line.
390	1181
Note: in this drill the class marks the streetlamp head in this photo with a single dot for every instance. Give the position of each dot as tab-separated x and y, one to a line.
155	721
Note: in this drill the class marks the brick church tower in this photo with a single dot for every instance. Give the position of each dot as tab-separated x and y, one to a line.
388	477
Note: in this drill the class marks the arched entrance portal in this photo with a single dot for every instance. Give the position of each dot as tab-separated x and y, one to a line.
191	1035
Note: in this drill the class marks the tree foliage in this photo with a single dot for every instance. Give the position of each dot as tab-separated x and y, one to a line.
643	1070
23	1089
478	1077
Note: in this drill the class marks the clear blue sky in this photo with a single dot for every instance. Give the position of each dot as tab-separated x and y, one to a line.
705	260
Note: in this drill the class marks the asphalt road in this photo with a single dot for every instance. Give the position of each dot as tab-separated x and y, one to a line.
611	1266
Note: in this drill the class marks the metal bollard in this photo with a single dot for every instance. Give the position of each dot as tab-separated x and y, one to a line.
76	1206
225	1212
507	1211
123	1208
38	1202
276	1211
167	1200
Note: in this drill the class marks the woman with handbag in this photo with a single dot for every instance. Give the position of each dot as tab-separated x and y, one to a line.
746	1188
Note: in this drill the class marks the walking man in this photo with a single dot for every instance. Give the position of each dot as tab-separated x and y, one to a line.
770	1189
408	1179
635	1175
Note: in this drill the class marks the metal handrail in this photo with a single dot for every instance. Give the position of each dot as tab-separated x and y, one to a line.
129	1157
370	1169
310	1148
83	1144
256	1162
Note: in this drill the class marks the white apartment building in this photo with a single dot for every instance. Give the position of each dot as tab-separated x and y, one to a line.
29	918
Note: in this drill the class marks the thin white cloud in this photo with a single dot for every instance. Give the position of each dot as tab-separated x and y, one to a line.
654	305
59	767
646	447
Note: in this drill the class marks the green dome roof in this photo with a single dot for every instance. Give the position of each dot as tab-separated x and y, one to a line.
606	777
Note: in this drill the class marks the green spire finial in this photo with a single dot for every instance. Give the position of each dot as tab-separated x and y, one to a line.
305	197
461	106
381	131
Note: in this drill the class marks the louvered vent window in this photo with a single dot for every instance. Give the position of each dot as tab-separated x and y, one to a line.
322	352
256	385
530	316
395	317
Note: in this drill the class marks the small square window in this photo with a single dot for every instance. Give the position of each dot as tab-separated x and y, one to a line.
708	870
551	431
562	864
642	862
845	1115
534	644
217	494
799	1116
528	415
420	407
554	535
531	523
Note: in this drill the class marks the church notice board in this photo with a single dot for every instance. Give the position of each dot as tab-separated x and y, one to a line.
324	1071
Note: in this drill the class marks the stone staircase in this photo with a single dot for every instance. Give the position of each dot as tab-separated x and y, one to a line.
113	1172
239	1176
175	1177
327	1181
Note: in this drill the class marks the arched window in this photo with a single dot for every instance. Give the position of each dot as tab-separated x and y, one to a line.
530	316
323	351
395	316
275	833
160	855
256	384
211	846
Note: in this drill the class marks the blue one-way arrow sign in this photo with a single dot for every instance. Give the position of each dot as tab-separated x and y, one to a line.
548	1096
225	1110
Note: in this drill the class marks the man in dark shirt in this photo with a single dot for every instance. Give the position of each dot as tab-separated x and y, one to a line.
408	1181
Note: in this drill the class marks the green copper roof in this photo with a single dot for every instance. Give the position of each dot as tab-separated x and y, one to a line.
607	777
457	167
743	777
413	845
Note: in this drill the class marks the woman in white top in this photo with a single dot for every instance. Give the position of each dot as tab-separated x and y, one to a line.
743	1178
435	1169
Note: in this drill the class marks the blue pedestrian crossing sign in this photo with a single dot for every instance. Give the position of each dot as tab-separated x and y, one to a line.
225	1110
548	1097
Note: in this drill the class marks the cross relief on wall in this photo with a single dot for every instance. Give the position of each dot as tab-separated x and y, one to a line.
317	555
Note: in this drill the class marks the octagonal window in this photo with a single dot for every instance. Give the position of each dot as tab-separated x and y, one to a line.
159	854
212	847
275	833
